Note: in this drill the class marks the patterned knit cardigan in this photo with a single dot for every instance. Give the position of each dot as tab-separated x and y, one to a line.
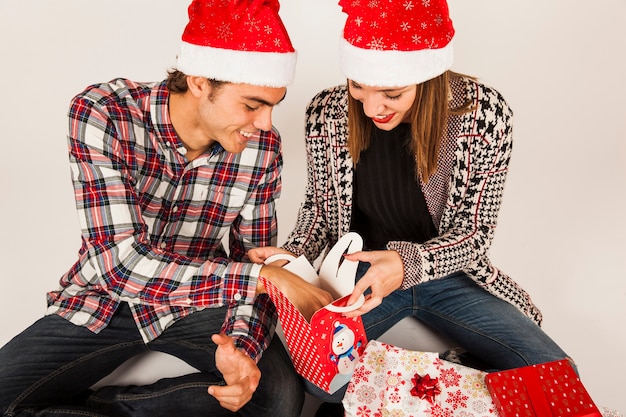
463	196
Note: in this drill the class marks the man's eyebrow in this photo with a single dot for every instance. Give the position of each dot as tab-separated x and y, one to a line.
265	102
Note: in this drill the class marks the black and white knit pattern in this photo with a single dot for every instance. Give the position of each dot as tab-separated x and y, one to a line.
463	196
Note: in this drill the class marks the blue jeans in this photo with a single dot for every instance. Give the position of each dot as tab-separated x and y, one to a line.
491	329
47	371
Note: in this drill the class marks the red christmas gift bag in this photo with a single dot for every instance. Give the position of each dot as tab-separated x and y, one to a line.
326	349
544	390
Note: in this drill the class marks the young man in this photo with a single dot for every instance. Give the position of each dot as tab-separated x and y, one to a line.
162	173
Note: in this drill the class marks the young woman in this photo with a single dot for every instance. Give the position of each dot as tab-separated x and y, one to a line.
414	157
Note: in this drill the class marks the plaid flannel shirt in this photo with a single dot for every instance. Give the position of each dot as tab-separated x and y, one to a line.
153	223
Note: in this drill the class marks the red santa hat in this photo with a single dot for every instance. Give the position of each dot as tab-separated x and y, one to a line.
393	43
240	41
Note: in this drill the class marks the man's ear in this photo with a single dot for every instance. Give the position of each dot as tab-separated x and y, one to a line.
198	86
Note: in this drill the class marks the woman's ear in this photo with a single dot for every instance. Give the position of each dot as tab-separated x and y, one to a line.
198	86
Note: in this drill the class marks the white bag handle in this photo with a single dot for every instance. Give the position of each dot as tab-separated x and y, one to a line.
336	273
345	309
299	266
279	257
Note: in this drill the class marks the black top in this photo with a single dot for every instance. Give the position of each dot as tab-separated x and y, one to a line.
388	201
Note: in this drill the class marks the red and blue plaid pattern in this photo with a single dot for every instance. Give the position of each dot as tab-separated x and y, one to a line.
153	224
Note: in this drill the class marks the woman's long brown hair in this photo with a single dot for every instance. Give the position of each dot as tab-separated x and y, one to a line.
429	116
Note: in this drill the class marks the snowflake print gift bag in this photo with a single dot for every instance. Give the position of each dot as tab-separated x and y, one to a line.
464	392
391	381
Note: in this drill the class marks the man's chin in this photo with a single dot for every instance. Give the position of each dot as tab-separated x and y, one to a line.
235	147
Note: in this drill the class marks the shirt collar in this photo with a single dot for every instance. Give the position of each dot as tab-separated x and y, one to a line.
159	100
159	111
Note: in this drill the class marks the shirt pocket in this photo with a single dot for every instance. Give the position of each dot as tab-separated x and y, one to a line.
224	205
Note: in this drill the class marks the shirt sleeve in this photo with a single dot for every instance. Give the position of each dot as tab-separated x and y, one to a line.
317	224
253	326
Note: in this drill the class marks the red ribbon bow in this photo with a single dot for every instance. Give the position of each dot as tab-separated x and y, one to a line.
425	387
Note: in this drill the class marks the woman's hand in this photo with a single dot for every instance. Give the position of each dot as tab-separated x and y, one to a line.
383	277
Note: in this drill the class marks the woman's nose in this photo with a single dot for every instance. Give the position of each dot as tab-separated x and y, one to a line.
373	107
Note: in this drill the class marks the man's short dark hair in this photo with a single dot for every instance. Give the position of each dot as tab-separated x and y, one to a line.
177	82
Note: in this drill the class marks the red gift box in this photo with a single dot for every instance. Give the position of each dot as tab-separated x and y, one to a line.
543	390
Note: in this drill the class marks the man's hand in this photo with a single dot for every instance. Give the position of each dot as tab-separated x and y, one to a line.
240	372
259	255
307	298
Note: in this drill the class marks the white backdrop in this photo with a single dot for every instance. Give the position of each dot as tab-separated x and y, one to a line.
560	64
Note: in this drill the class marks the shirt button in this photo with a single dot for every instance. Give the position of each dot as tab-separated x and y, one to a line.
237	297
188	301
163	245
175	209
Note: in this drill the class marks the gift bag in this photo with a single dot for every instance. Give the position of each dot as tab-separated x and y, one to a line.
326	349
391	381
548	389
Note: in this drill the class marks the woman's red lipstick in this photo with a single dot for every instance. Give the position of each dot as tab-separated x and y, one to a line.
384	120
